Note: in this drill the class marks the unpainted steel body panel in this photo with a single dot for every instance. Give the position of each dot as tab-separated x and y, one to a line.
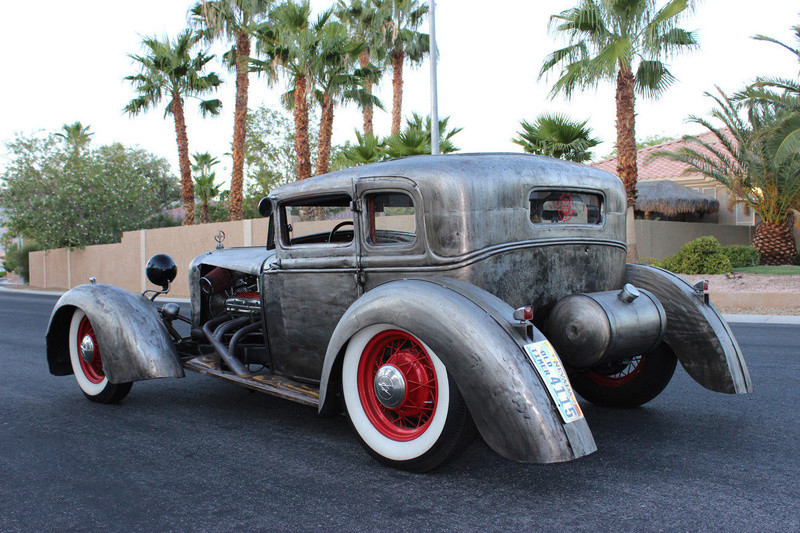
476	201
247	260
471	332
696	331
133	341
588	329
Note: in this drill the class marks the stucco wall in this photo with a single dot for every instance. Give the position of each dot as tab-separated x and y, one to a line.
122	264
659	239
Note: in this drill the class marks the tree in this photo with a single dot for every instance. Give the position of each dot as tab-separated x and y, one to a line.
367	149
236	21
415	139
204	186
338	81
557	136
290	41
366	26
76	135
56	197
623	40
169	70
402	18
783	93
742	156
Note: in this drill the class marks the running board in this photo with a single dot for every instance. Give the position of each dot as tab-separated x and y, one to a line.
279	386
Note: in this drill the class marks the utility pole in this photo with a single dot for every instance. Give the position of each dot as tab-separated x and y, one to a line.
434	90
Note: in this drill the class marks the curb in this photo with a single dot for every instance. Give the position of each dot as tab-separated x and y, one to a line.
731	318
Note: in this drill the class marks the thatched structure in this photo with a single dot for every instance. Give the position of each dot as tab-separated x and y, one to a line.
672	199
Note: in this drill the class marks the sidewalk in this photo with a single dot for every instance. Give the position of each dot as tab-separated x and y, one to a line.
730	317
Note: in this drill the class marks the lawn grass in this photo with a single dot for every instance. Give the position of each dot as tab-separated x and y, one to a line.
782	270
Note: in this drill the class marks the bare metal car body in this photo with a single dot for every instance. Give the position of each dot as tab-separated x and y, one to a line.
476	258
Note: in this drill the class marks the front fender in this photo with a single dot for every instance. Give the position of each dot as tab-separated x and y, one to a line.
132	339
696	331
470	330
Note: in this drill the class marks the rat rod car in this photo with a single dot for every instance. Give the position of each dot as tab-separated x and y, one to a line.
429	298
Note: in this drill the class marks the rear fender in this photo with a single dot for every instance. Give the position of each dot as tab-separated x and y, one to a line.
470	330
696	331
132	339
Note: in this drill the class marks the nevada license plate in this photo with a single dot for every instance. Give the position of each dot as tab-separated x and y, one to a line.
546	362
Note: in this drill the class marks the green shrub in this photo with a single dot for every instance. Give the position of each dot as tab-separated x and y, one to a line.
17	260
2	273
741	256
700	256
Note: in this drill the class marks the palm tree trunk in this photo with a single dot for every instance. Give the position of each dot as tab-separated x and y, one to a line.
626	151
363	59
325	135
775	243
301	146
187	186
204	212
398	58
239	123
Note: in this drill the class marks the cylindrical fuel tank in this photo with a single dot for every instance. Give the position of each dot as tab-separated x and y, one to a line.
602	327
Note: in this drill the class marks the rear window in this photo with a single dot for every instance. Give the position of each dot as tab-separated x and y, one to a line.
566	207
391	218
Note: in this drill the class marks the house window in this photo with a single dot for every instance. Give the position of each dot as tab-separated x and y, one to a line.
391	218
744	215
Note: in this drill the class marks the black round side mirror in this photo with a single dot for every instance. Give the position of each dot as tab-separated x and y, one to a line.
265	207
161	270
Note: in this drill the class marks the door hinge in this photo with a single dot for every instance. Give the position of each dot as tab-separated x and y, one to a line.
355	206
361	277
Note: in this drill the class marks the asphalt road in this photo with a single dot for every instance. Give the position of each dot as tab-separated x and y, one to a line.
199	454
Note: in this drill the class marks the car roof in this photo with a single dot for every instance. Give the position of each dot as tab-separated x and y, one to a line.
441	172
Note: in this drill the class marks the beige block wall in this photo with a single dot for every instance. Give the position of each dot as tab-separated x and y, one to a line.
660	239
122	264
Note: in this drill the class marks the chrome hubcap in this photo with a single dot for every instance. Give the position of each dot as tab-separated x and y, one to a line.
87	348
390	386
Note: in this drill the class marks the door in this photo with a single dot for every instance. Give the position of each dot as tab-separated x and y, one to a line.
313	281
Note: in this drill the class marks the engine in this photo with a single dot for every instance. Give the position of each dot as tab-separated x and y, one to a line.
234	326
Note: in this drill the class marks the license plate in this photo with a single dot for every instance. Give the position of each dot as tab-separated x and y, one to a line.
546	362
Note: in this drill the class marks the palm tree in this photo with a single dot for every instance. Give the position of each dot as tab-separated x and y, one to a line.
366	26
402	18
557	136
781	92
204	185
76	135
338	81
367	149
415	139
290	42
742	157
168	70
235	20
623	40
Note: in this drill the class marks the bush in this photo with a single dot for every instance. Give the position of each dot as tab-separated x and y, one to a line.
741	256
17	260
2	273
700	256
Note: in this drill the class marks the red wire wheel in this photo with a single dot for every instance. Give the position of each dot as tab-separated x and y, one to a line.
617	379
93	369
401	351
627	384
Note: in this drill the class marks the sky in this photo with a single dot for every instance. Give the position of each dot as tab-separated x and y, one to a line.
64	61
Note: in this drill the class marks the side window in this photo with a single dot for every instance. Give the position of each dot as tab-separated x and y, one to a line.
326	220
391	218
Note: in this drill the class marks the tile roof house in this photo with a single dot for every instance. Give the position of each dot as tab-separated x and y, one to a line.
674	171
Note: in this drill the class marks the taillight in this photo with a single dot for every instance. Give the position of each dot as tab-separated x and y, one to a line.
524	313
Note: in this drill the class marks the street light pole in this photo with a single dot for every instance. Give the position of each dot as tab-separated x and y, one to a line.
434	91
